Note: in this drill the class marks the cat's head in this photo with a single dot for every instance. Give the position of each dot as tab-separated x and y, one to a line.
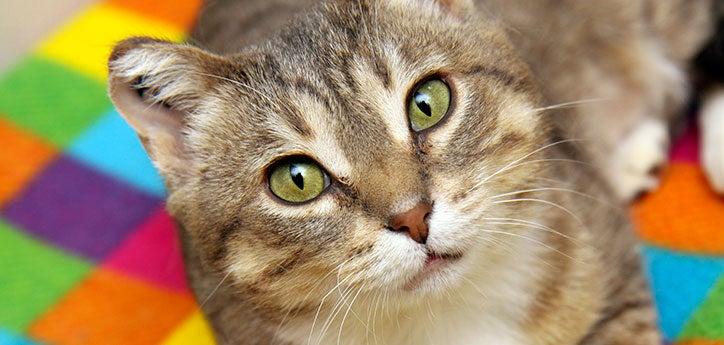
364	146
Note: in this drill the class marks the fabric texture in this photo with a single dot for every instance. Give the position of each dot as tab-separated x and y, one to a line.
88	254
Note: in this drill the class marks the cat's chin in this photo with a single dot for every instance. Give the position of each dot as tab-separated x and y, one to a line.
439	272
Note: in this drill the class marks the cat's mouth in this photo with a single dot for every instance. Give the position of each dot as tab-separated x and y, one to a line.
435	264
433	257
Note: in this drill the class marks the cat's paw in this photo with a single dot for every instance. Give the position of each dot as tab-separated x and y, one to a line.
712	140
635	163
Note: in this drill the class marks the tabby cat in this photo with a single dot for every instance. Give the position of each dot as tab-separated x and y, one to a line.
417	171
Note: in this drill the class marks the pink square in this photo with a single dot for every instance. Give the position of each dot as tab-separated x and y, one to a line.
152	253
686	147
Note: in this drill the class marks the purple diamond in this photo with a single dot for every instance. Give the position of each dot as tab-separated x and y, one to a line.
75	207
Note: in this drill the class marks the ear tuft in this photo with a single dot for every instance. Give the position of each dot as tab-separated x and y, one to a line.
163	72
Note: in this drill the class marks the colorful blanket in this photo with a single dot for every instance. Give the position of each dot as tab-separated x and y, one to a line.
88	255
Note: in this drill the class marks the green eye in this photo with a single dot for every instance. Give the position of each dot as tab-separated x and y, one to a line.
297	180
429	104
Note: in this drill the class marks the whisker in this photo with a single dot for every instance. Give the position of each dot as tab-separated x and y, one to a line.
511	164
344	318
336	310
208	298
430	314
551	180
364	323
321	303
538	226
283	105
546	202
339	305
279	326
238	83
510	250
373	307
475	286
557	189
333	314
571	104
386	305
534	241
556	160
314	288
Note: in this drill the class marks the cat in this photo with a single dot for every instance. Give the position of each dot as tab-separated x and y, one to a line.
408	171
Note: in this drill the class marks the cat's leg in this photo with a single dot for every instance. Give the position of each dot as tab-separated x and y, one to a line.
712	138
636	160
626	142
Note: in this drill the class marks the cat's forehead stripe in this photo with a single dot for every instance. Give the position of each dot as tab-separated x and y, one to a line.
386	103
314	90
383	72
322	144
295	120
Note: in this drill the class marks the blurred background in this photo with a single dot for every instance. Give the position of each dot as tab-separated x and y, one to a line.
22	23
88	254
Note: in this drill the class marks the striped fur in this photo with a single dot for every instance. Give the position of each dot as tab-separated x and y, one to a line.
547	256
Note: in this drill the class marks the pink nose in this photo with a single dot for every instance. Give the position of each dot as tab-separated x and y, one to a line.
413	222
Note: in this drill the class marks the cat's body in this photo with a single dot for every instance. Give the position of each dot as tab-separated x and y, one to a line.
627	61
522	242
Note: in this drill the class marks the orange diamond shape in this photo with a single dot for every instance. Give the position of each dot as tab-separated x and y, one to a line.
109	308
22	155
684	213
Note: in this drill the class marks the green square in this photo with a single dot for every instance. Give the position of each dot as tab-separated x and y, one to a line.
51	100
33	276
708	320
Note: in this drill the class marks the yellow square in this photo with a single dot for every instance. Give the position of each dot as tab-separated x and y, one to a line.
194	331
86	41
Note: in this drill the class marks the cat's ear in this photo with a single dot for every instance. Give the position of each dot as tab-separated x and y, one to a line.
157	86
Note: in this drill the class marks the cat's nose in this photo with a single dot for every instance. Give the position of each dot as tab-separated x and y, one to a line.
413	222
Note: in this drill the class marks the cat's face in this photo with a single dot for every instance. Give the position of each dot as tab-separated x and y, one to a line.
291	164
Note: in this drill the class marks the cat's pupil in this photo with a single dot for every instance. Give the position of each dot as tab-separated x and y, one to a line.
297	175
423	103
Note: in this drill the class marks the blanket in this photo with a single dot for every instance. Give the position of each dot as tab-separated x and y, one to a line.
88	255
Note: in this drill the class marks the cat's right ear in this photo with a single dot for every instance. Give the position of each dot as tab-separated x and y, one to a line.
157	86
